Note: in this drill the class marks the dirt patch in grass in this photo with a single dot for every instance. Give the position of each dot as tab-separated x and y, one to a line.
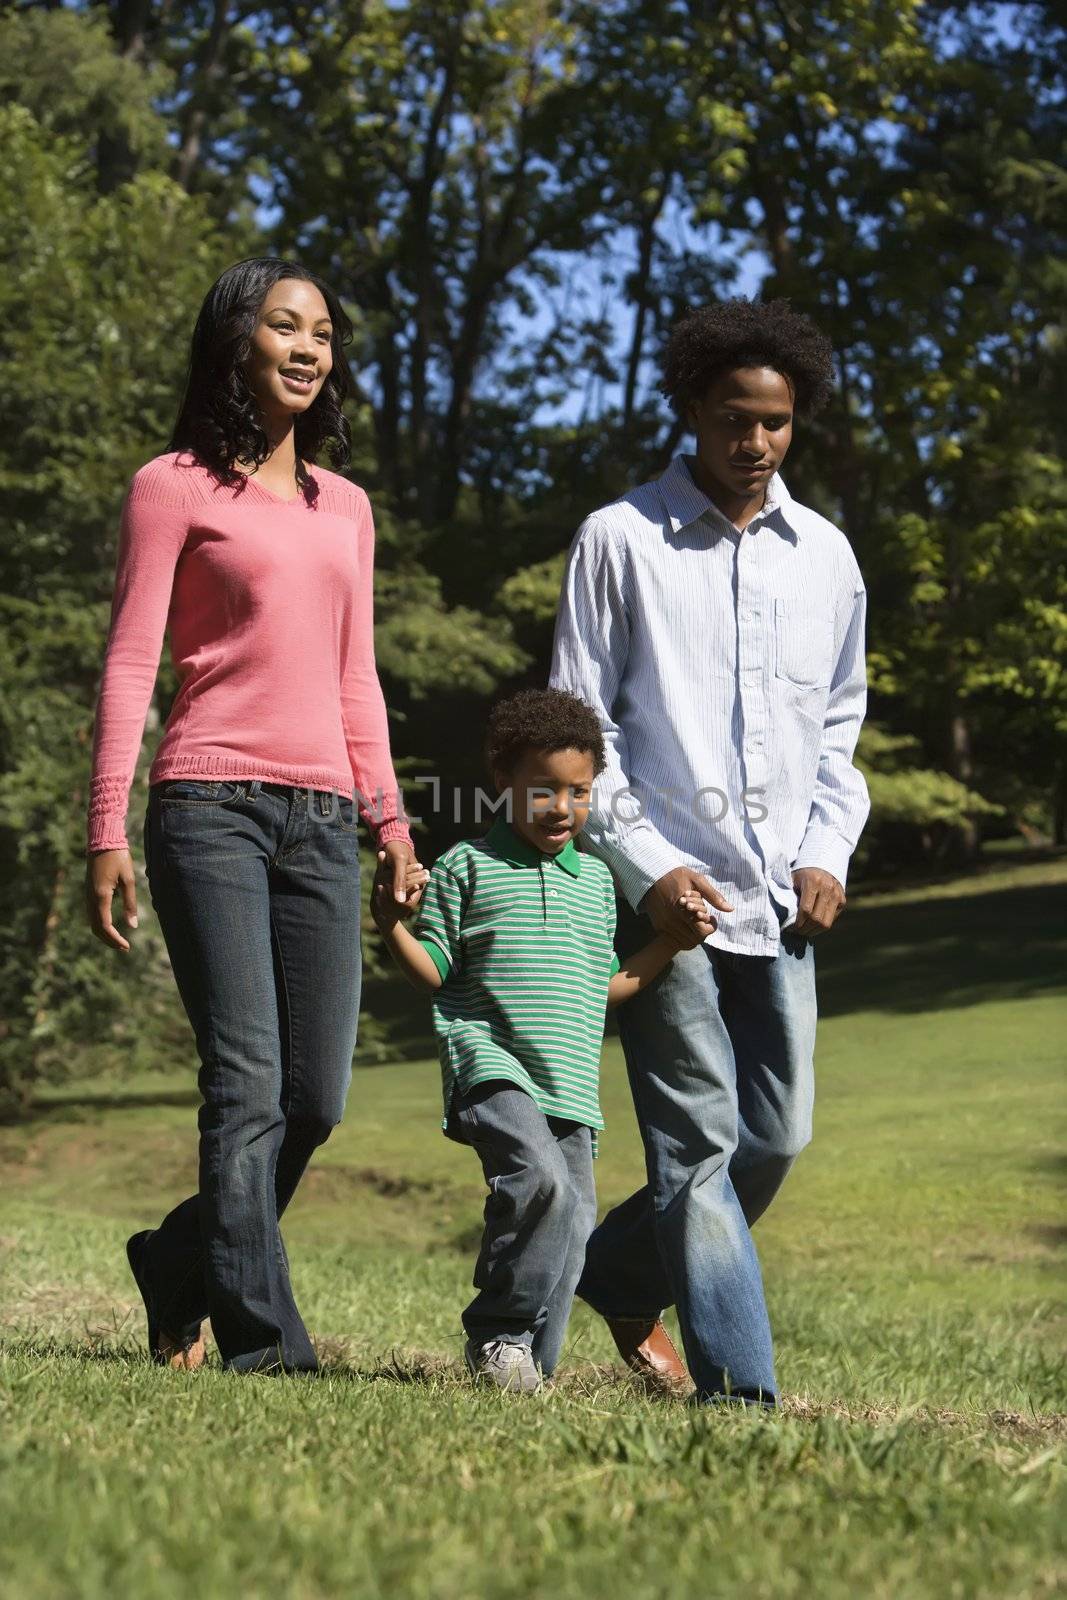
335	1182
86	1161
1049	1424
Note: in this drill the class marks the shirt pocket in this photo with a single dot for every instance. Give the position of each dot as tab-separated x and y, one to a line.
803	644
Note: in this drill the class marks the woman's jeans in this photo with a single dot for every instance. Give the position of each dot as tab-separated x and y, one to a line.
256	887
719	1050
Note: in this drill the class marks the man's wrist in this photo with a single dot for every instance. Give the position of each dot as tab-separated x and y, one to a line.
826	850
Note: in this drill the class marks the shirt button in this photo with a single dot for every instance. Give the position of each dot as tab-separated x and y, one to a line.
552	892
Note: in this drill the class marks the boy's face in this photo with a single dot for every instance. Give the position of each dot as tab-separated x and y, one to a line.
550	794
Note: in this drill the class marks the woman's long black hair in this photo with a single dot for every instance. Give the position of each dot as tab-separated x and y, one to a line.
219	420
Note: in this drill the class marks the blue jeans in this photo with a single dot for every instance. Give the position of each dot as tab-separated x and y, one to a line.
256	887
538	1215
719	1051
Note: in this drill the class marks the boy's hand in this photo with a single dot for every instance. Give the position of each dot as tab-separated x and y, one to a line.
386	909
660	904
694	909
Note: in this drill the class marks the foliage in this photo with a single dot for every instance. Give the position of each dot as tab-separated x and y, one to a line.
98	292
515	200
917	814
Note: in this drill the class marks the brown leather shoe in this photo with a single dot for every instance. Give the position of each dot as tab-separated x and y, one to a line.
646	1347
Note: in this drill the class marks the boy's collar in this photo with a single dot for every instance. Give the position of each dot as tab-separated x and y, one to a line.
518	852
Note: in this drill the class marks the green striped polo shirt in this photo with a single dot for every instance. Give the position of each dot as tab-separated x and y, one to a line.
523	942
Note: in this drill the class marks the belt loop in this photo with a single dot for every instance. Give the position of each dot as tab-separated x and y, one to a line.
254	788
326	802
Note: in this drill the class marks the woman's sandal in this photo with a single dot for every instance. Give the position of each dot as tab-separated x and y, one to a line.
165	1350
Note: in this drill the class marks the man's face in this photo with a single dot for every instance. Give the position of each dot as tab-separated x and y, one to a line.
744	427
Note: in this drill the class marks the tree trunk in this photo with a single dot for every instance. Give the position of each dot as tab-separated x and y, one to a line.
646	242
116	163
961	766
200	102
1059	808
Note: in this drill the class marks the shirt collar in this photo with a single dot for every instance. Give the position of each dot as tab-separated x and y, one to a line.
686	503
518	852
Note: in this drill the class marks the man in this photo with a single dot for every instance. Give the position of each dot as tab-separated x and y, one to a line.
716	625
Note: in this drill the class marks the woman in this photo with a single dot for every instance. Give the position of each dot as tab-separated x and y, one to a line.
260	563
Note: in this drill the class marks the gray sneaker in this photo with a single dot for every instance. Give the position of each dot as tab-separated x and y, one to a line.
504	1365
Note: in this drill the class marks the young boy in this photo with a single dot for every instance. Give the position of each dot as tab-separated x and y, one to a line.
514	939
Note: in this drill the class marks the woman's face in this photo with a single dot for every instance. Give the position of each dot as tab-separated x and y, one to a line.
291	354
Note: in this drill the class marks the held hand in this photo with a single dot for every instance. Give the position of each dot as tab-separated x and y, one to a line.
820	901
695	912
398	883
106	871
666	905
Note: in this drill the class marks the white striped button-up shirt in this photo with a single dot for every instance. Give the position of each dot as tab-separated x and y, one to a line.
727	671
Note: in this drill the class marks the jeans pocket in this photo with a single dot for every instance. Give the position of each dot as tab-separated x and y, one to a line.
347	814
197	792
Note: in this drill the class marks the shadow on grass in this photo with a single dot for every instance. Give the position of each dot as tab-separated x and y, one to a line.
89	1352
71	1107
932	955
926	955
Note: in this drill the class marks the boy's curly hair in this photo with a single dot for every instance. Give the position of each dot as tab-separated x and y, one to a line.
747	333
541	719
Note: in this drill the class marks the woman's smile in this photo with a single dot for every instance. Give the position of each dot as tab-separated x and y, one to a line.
299	382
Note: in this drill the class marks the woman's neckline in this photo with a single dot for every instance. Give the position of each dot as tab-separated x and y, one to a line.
272	494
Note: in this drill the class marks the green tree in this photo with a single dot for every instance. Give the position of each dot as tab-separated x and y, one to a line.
98	293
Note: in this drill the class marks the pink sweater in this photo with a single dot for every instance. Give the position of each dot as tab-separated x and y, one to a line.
269	604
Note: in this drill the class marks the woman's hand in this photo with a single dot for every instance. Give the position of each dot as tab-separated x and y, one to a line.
105	872
398	883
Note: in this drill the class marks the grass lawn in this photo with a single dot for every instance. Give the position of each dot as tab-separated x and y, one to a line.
914	1265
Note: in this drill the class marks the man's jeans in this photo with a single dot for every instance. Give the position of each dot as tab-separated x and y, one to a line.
256	886
719	1053
538	1215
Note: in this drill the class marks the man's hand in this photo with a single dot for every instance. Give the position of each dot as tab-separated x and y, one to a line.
391	894
666	905
820	901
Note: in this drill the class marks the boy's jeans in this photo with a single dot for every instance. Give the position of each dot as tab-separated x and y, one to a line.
719	1053
256	887
538	1215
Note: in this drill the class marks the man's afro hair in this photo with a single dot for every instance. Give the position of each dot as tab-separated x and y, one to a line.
541	719
747	333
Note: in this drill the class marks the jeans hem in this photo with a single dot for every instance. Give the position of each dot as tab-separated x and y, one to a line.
494	1336
618	1316
736	1402
269	1361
